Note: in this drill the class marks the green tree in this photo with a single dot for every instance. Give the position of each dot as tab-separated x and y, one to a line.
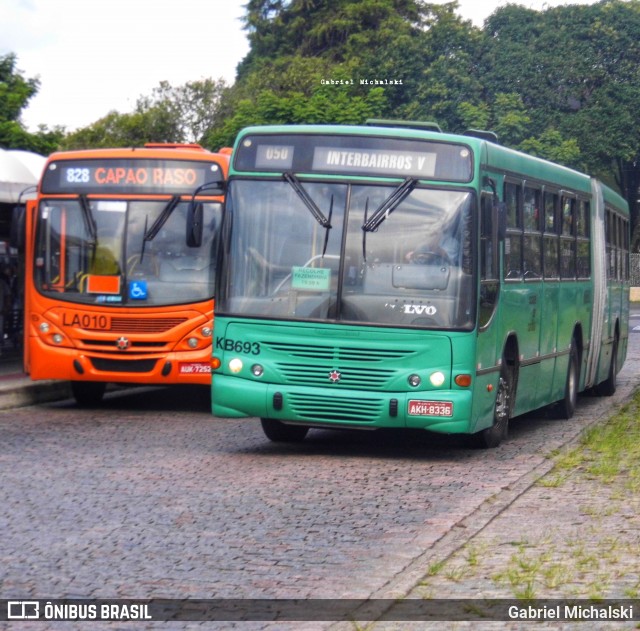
170	114
332	29
192	109
300	45
123	130
576	70
442	83
15	94
325	104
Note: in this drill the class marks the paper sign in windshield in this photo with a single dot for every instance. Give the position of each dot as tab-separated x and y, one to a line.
311	278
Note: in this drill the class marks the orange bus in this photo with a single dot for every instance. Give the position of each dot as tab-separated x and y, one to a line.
119	277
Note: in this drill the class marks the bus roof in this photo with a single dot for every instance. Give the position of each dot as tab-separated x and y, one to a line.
358	130
489	155
166	151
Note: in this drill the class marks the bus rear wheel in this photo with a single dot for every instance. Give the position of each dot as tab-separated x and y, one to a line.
608	387
88	393
492	436
280	432
567	406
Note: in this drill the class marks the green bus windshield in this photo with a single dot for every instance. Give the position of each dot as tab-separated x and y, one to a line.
300	251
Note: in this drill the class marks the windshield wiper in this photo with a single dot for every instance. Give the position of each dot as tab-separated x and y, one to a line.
308	202
150	235
389	205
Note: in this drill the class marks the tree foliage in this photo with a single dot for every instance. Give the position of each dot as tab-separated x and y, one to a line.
577	72
180	114
562	83
15	94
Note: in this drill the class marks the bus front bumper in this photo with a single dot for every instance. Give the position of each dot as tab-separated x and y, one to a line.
444	411
53	362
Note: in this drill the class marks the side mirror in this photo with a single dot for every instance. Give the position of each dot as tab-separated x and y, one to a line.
194	225
194	213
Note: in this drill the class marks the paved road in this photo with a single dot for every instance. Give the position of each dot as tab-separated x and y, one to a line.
150	496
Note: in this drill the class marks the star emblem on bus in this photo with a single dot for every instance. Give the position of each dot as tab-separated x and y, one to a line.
335	376
122	343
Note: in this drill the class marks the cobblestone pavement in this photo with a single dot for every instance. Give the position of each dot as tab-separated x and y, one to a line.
151	497
568	536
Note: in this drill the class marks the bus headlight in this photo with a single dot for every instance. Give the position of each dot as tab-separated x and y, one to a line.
57	338
44	327
235	365
437	379
192	342
206	331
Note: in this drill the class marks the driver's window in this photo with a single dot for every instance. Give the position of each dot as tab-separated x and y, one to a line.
283	237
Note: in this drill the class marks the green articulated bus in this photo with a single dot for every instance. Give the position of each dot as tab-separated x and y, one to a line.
391	275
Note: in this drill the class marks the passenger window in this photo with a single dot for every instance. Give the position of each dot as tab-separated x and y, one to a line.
531	209
550	206
568	211
512	200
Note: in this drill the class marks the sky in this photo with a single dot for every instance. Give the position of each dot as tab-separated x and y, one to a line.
96	56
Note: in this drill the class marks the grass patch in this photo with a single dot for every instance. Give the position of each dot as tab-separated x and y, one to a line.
608	452
594	557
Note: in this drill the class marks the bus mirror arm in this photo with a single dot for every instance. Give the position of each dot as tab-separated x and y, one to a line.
500	217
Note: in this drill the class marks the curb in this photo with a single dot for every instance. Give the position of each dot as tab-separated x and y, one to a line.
23	393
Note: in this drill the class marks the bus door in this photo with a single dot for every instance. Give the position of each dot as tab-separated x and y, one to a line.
29	222
522	269
488	348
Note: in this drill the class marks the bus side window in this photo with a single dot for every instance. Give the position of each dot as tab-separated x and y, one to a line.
513	239
532	255
550	259
567	238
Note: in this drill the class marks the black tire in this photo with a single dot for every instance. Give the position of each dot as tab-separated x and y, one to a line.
492	436
567	406
279	432
608	387
88	393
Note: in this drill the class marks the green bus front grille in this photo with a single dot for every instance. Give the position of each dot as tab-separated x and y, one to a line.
338	353
307	407
350	377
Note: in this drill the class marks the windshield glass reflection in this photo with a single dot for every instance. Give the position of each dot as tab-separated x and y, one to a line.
412	269
99	254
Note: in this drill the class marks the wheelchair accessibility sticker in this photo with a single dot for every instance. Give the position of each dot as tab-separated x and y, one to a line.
138	290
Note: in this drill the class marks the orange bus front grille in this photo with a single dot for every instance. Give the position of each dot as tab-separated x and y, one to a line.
122	365
139	325
111	344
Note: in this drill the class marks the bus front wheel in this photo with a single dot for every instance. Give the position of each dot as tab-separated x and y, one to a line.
494	435
279	432
88	393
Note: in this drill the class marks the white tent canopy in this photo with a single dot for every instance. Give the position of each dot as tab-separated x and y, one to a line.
19	170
